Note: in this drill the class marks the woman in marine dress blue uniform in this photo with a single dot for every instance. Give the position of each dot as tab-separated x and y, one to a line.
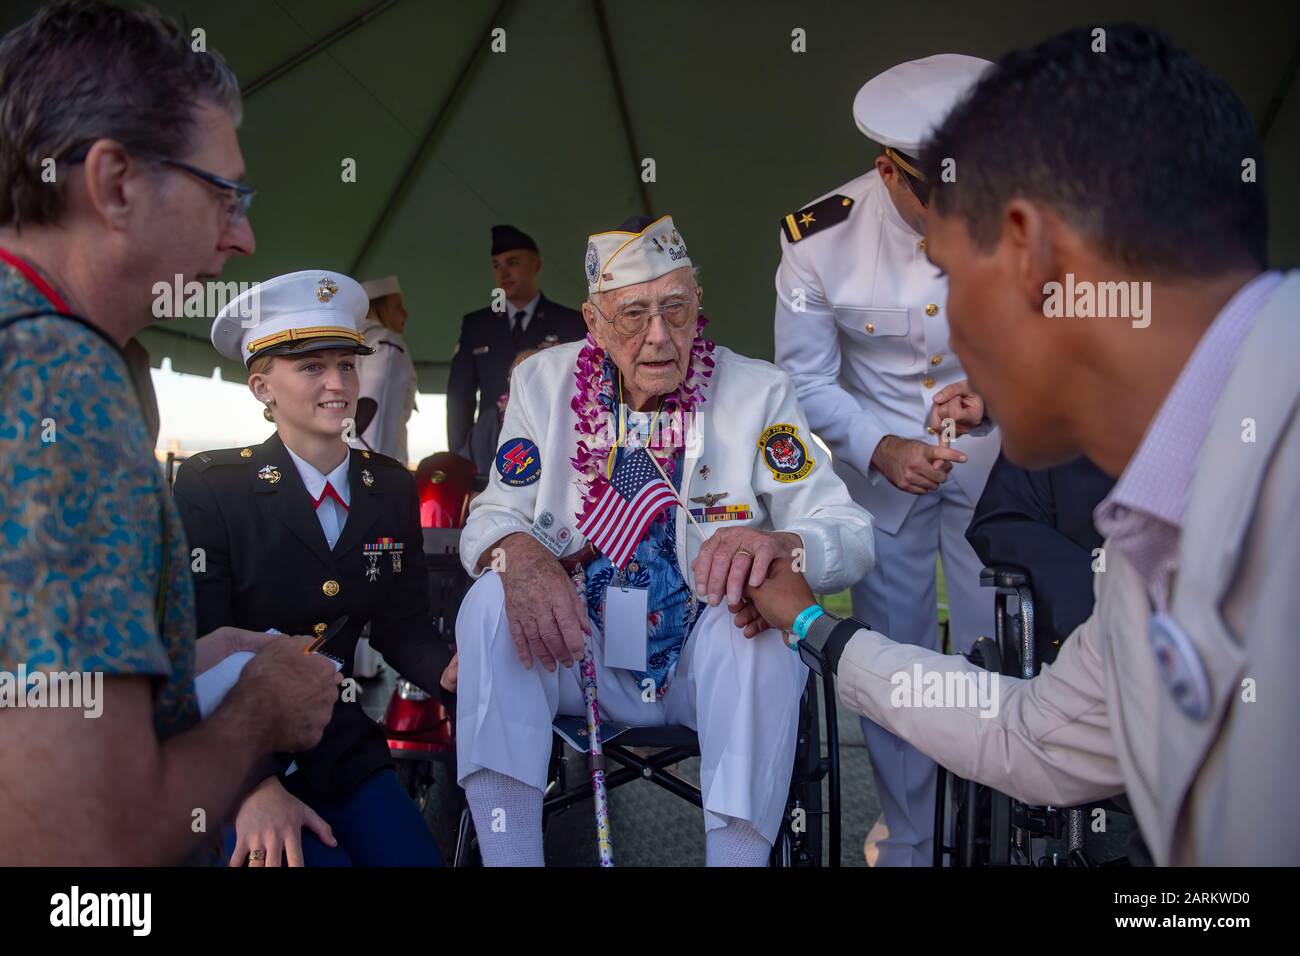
297	533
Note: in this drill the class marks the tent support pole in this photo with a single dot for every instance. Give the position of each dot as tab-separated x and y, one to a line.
302	56
403	181
1283	88
602	24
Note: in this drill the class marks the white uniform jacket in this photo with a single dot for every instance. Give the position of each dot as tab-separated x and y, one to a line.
744	398
862	328
387	376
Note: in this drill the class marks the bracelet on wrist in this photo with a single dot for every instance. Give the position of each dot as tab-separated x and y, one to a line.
806	617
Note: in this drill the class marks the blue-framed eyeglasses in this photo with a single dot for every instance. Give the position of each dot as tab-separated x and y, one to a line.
243	194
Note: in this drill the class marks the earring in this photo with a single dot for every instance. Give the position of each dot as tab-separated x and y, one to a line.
266	413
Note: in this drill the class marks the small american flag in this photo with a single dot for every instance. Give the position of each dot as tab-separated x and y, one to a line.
626	505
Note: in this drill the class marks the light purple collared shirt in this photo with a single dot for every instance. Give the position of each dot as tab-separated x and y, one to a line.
1142	517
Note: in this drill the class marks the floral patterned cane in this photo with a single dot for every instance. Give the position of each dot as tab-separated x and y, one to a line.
596	760
595	750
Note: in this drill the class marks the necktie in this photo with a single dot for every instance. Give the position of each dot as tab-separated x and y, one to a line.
329	492
517	330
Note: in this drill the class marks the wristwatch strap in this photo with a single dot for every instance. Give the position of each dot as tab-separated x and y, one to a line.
831	633
838	640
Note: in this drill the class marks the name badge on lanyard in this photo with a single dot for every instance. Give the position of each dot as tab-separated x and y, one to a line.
625	627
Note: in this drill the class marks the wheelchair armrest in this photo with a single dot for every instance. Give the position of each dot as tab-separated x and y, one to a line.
1003	576
986	653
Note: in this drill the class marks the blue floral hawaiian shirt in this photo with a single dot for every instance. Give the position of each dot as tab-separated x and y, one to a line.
671	608
88	529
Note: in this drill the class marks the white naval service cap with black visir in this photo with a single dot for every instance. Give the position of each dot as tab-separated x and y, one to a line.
291	314
899	108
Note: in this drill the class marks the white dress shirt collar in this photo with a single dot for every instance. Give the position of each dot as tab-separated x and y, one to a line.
315	481
330	514
527	310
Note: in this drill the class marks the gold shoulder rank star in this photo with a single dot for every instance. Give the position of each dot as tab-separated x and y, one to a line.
823	214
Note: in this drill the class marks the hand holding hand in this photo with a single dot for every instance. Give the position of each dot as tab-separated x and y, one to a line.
958	402
780	597
734	557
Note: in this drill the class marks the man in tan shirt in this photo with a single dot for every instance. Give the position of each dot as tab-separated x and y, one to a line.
1119	309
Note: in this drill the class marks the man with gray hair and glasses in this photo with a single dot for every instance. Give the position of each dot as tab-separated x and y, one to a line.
95	584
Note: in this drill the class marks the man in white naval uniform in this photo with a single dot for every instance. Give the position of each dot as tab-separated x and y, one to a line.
388	376
861	327
734	443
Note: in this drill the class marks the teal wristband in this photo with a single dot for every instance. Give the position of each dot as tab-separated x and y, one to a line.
806	617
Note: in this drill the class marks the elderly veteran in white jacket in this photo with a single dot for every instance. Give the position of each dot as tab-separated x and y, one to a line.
728	433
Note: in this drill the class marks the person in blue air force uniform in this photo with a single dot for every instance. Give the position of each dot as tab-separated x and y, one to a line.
647	391
296	533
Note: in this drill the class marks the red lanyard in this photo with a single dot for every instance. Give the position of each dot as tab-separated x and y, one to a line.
37	280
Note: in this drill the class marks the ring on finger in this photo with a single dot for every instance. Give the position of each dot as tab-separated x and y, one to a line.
257	856
743	551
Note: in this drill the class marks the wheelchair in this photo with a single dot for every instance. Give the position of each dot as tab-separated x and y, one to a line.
799	843
423	744
990	828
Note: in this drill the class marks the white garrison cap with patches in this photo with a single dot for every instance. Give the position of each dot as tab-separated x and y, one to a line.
378	288
291	314
641	249
901	106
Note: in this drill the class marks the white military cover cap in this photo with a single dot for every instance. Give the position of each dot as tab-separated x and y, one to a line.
901	106
639	250
378	288
291	314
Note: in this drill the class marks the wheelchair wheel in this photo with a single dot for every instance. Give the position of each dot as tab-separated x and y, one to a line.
467	852
799	841
431	785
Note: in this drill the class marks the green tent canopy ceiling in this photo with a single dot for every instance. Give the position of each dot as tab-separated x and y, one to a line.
450	137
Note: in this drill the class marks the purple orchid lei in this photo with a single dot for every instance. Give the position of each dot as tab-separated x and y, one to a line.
594	402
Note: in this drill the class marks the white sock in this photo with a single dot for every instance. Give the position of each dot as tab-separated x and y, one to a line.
507	819
736	844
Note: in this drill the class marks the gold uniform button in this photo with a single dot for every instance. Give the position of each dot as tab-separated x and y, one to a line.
330	588
931	309
928	383
365	454
936	359
246	453
870	327
320	628
921	245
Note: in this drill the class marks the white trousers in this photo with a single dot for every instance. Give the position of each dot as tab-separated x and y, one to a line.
898	598
741	696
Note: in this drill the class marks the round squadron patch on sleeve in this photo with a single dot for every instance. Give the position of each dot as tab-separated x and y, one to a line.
784	452
519	462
